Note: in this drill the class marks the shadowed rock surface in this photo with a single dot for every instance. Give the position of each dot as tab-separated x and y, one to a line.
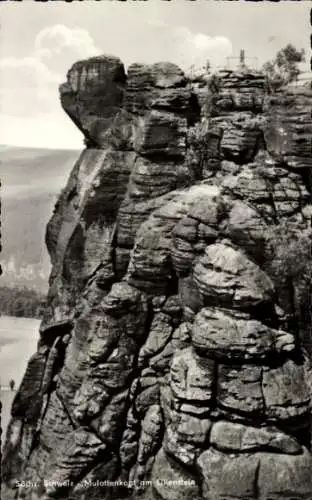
167	351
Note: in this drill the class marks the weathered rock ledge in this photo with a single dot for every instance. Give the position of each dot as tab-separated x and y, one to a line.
167	352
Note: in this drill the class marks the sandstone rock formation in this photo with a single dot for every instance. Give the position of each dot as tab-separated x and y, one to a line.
167	352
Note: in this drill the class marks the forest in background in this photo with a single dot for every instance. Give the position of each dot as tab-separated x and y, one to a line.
21	302
31	182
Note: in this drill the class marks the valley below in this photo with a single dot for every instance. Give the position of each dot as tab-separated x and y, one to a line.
18	341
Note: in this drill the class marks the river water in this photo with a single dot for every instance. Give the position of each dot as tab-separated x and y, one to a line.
18	341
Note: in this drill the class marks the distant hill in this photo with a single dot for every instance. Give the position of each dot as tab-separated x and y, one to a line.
31	180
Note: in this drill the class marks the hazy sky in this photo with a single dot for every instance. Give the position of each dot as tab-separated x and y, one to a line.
40	41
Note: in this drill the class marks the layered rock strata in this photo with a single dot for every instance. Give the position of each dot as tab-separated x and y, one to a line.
168	364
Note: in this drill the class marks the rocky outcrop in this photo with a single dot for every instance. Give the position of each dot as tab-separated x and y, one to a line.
170	363
288	131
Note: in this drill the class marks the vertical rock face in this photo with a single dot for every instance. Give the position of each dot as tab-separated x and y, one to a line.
167	366
288	135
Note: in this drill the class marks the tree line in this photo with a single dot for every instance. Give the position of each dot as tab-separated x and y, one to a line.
21	302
